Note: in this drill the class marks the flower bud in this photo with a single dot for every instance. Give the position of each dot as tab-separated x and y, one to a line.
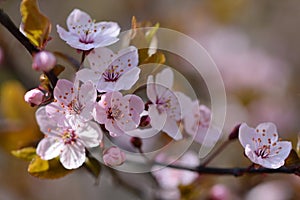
43	61
234	133
34	97
136	142
113	156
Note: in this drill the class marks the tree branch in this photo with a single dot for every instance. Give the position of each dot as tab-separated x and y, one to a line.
236	171
11	27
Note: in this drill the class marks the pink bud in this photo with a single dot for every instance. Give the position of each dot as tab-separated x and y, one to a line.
43	61
220	192
113	156
34	97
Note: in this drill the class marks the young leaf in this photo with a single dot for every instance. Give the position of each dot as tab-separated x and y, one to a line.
292	159
38	165
27	153
55	170
36	26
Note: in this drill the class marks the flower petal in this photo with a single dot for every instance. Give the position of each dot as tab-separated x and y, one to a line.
172	129
77	18
86	75
127	80
267	132
73	156
49	148
100	58
63	91
165	78
246	134
90	134
157	119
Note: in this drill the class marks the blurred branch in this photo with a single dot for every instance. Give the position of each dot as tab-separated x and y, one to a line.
236	171
11	27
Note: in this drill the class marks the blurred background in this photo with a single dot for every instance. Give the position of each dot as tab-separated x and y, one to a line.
255	44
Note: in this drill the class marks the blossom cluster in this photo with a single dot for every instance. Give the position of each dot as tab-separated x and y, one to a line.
94	105
84	110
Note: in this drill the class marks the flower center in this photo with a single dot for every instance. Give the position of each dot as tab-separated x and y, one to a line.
114	113
263	151
111	74
69	136
75	107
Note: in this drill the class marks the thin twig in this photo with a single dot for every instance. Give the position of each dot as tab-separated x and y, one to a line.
236	171
11	27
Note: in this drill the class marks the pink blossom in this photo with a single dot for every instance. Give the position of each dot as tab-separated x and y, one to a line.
34	97
262	146
169	178
110	71
43	61
67	140
196	119
113	156
85	34
164	110
119	113
72	101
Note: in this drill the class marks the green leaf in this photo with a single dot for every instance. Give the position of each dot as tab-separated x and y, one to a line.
158	58
93	166
58	69
292	159
38	165
36	26
151	33
55	170
27	153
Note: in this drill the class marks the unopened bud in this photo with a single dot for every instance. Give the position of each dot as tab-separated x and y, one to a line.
34	97
145	121
113	156
43	61
136	142
234	133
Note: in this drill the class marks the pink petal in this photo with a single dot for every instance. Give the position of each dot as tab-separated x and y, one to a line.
63	91
49	148
77	18
44	121
86	75
165	78
267	131
113	128
111	29
90	134
246	134
151	89
172	129
100	114
157	119
73	156
127	80
99	59
136	103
